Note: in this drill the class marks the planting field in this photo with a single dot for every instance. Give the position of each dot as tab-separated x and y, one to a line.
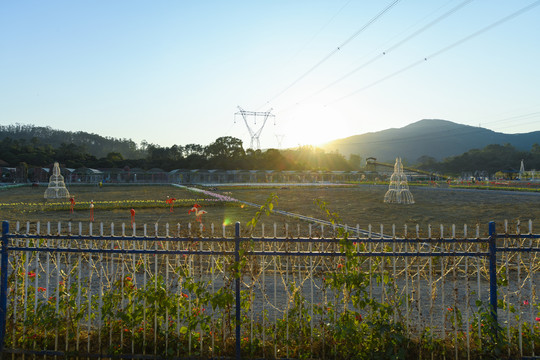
112	204
362	205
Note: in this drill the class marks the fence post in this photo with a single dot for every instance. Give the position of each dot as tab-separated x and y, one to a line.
237	286
493	269
3	284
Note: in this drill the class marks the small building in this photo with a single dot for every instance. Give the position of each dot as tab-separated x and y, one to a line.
87	175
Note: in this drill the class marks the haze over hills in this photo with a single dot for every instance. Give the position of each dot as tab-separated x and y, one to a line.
435	138
438	139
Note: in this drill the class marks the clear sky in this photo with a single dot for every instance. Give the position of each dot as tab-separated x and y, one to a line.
174	72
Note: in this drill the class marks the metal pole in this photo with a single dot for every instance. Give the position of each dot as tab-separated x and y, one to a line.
237	285
493	270
3	284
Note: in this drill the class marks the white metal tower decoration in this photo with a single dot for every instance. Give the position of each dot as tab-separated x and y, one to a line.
255	134
57	187
398	191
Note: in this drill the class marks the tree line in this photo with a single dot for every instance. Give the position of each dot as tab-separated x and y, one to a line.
225	153
34	146
94	144
490	159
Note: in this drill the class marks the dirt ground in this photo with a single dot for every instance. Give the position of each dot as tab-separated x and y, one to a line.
362	205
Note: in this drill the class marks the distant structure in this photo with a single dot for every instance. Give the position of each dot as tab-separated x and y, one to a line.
522	170
57	187
254	134
398	191
279	138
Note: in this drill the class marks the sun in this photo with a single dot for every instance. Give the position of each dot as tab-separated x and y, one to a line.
310	124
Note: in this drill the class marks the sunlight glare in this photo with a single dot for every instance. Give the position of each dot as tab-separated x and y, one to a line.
311	124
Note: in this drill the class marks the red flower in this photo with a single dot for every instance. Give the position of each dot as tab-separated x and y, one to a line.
339	266
31	274
41	289
358	317
525	302
128	278
537	318
450	309
185	295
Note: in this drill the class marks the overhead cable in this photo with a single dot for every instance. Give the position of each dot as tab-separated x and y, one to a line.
391	48
333	52
445	49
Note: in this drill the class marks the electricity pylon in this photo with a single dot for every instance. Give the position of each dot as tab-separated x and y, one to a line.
279	138
255	134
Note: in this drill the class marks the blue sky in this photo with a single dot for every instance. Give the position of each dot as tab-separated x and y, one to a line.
174	72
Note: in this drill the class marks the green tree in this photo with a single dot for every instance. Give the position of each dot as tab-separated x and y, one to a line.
355	161
226	153
225	147
426	162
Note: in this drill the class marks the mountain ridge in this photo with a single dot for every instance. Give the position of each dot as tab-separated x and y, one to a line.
427	137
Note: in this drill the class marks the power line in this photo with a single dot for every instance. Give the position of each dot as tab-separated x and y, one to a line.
333	52
445	49
391	48
537	113
317	33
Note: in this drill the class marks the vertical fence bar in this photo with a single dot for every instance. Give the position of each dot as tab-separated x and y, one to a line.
493	271
3	284
237	285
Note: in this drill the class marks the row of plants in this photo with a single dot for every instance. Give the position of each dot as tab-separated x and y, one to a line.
109	205
192	320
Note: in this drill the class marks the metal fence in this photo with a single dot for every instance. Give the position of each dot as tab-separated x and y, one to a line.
69	291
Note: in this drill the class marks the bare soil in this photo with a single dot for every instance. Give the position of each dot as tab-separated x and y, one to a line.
362	205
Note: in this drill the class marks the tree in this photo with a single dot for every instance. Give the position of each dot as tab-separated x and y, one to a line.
225	147
115	157
426	162
355	161
196	149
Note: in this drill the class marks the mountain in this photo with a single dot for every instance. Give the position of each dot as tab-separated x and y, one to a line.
435	138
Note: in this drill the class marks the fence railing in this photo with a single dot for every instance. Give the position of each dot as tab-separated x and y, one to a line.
68	293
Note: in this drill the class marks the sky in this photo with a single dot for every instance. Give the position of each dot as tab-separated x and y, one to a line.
177	72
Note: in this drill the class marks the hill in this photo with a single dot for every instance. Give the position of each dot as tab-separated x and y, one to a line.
96	145
435	138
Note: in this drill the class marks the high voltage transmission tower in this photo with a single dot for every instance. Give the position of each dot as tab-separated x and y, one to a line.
279	138
254	114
